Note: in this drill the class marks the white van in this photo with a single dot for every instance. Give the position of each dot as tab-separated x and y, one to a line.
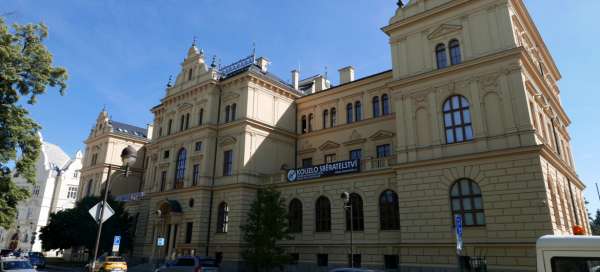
568	254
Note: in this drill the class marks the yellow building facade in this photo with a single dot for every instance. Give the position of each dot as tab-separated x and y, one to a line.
467	122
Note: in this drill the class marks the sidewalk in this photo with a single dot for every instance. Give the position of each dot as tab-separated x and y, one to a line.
146	267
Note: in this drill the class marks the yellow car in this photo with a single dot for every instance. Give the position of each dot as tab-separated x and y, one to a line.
111	264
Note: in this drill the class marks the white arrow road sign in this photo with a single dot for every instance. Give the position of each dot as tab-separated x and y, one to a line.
95	212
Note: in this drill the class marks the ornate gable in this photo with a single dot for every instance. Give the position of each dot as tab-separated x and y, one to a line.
382	134
444	30
227	140
355	138
329	145
184	106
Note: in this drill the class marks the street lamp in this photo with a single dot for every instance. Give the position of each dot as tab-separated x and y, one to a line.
348	206
128	157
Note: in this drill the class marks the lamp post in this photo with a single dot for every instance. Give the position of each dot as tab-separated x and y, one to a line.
348	206
128	156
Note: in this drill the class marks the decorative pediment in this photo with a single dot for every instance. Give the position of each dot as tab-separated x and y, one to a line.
329	145
444	30
307	151
230	96
184	106
382	134
355	138
228	140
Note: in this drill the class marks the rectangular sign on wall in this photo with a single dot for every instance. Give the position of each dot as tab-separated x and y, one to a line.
324	170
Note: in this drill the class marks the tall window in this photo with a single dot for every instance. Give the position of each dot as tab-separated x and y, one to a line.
384	150
333	118
188	232
201	117
233	110
358	218
357	111
323	215
169	126
307	162
227	163
349	118
356	154
227	112
180	168
72	193
195	174
457	120
303	124
181	122
385	104
311	117
163	180
88	190
295	216
375	106
454	52
187	121
223	218
325	118
467	202
440	56
330	158
389	211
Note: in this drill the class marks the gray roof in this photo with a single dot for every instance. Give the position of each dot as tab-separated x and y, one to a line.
130	130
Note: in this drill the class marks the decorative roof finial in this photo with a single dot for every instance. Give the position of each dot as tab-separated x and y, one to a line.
104	107
253	49
214	61
194	41
169	85
400	4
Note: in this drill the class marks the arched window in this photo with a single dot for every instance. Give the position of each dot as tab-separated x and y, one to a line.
333	118
457	120
303	124
181	123
88	190
440	56
180	167
200	117
323	215
233	110
349	118
227	111
222	218
466	201
311	117
295	216
389	211
358	218
187	120
357	111
375	106
325	118
385	104
454	46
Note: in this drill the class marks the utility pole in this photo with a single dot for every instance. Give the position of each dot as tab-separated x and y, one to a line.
598	190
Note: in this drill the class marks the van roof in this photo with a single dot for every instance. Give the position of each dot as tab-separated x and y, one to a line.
579	242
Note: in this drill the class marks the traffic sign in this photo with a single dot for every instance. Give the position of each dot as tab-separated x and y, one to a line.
160	242
116	243
96	210
458	225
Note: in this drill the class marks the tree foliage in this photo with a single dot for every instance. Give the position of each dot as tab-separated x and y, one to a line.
76	228
595	224
25	72
267	224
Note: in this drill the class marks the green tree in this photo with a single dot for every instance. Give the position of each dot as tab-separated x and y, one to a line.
25	72
76	228
267	224
595	224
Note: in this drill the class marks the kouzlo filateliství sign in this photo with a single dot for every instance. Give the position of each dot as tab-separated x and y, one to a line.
324	170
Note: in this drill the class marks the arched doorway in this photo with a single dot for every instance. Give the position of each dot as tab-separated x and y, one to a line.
168	227
14	242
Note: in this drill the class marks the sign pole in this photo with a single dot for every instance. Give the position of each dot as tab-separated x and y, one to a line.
100	219
458	226
598	190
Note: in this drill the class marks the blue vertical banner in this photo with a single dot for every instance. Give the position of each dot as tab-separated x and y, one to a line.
458	226
116	243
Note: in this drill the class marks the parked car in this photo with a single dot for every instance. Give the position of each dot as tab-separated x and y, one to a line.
568	253
109	264
191	264
37	259
16	265
6	253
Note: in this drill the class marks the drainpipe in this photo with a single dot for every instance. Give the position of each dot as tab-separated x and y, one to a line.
214	171
296	135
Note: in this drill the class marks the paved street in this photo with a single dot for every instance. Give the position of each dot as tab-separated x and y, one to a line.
56	268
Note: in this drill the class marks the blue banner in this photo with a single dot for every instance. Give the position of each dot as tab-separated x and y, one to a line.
324	170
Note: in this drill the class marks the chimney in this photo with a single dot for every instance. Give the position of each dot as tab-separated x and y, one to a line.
295	78
262	63
320	83
346	74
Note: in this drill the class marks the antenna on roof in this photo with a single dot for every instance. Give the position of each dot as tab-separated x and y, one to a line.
169	85
194	41
326	72
104	107
253	50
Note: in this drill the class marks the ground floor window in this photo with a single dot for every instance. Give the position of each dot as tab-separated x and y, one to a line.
322	260
294	258
391	261
355	259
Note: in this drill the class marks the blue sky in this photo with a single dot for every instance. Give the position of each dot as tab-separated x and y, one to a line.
121	53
